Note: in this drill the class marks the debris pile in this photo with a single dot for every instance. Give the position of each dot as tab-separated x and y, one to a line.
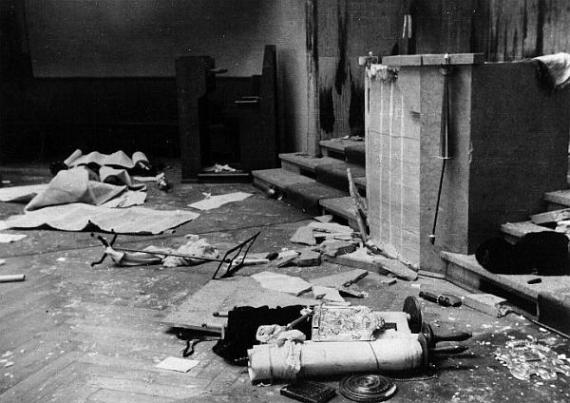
525	358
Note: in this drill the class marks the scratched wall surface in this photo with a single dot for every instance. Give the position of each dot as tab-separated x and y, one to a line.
348	29
393	163
516	29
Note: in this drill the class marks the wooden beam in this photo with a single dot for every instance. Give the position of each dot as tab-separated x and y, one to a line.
313	130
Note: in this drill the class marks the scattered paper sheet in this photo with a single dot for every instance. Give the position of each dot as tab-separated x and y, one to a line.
77	216
177	364
21	194
282	282
9	238
218	201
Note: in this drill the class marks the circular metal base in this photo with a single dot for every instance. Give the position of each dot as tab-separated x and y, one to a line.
367	388
413	309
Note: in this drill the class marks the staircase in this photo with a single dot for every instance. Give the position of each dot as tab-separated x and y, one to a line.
548	300
319	185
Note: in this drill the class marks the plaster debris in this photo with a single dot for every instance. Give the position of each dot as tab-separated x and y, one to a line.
525	358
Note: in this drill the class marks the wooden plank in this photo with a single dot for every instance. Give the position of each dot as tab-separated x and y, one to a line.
433	59
312	30
561	197
551	216
402	60
362	260
223	295
518	229
454	59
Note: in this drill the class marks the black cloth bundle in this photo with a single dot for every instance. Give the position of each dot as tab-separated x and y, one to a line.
242	326
544	253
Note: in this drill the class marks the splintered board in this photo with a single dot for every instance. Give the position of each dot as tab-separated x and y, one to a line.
197	312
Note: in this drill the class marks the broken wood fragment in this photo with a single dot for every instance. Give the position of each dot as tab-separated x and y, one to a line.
324	218
333	247
551	216
486	303
361	259
8	278
331	227
308	258
304	235
360	207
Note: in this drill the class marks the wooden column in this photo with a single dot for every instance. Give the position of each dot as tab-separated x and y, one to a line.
313	128
192	77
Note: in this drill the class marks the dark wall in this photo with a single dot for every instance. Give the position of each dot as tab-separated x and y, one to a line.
86	73
102	38
517	29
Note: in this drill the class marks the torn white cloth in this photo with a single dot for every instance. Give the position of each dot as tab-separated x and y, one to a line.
213	202
117	159
74	186
558	68
81	185
129	259
77	216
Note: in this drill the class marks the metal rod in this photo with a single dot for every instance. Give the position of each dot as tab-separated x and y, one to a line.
432	235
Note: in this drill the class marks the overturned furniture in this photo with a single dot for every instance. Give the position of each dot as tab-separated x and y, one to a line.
226	120
455	148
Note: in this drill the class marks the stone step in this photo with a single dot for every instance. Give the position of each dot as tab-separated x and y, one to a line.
513	231
330	171
558	199
278	178
335	175
303	163
356	154
548	301
299	190
348	150
342	208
